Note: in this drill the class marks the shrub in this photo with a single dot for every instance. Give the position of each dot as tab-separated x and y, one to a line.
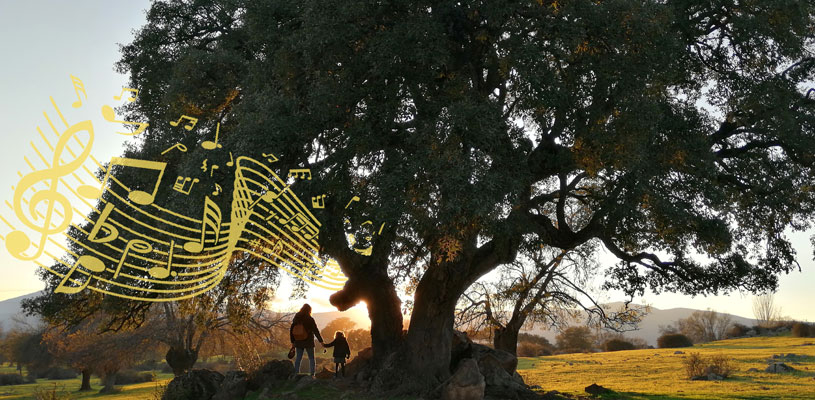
58	373
618	345
128	377
800	329
672	340
529	349
51	394
11	379
696	365
737	330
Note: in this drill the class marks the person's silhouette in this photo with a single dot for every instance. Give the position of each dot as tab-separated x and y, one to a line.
302	332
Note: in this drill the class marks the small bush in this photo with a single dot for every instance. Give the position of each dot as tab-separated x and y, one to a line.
11	379
800	329
719	364
148	365
58	373
737	330
694	365
529	349
618	345
128	377
51	394
673	340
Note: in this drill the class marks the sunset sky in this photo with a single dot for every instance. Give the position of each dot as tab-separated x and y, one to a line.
43	42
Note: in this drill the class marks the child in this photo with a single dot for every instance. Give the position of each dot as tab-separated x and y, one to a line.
341	352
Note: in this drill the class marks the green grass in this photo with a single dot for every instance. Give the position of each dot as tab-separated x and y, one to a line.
138	391
659	374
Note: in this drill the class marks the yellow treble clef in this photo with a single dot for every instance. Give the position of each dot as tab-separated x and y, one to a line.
17	241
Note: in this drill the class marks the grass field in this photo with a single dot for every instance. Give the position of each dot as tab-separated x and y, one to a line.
140	391
659	374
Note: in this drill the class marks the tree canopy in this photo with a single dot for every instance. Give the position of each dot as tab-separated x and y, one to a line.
472	130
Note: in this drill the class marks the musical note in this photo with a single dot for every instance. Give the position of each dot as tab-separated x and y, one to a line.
207	145
162	272
137	245
318	201
303	222
271	158
278	246
178	146
136	196
204	166
110	116
130	99
189	126
181	183
212	218
90	262
218	190
101	223
353	199
18	241
212	169
231	161
78	87
300	173
272	196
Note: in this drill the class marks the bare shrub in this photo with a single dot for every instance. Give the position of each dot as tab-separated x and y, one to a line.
719	364
801	329
694	365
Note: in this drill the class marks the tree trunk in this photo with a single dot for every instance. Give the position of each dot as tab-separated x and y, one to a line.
109	382
86	380
180	359
384	310
506	339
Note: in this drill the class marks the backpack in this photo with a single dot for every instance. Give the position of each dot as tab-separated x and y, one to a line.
299	332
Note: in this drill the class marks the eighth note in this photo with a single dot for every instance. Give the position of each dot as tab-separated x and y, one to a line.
318	201
181	183
207	145
353	199
188	126
212	218
110	116
137	245
130	99
218	190
272	158
300	173
90	262
161	272
78	87
178	146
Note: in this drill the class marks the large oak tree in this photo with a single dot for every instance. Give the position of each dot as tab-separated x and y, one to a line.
470	129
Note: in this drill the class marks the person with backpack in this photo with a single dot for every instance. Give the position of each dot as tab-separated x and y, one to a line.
341	351
302	332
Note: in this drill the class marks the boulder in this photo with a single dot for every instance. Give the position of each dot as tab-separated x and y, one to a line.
304	381
272	371
714	377
467	383
679	352
324	374
234	386
198	384
779	367
596	390
359	363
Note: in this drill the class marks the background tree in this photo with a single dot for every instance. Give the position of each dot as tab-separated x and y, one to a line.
765	310
701	326
547	288
575	339
468	127
338	324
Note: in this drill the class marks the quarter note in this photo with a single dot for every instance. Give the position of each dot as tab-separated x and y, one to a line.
129	98
353	199
110	116
78	87
231	161
91	263
137	245
207	145
162	272
189	125
212	218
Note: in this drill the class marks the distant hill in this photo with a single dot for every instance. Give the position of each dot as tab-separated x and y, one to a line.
649	327
11	307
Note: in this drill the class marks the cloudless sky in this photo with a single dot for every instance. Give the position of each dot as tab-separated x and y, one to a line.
43	42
